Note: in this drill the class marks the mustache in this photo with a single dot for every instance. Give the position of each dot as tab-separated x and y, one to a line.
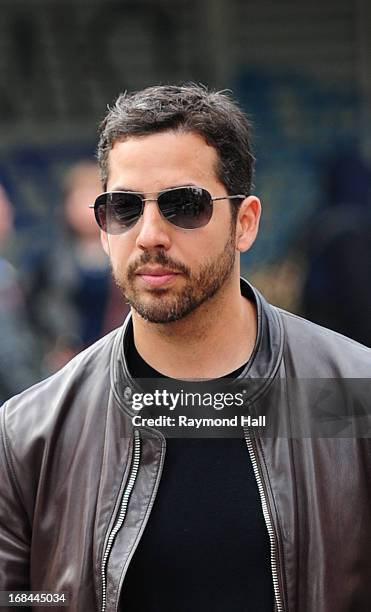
159	258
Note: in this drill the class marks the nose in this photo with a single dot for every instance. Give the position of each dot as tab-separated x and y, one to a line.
154	230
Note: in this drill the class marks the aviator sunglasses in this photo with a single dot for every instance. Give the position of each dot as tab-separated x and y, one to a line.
186	207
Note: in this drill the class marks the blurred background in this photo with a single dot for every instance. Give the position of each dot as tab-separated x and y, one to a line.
302	71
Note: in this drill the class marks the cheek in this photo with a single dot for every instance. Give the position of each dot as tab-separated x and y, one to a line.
215	239
119	251
201	251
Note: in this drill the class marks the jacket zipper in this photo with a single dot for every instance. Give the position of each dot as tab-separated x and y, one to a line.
121	517
268	522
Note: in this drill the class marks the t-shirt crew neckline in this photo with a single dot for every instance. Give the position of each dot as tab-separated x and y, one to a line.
139	368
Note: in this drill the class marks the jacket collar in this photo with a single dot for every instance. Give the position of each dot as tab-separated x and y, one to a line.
261	367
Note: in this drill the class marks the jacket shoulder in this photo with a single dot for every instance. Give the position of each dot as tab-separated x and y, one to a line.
68	398
312	351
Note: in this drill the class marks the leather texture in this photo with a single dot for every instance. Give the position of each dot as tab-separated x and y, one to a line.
66	452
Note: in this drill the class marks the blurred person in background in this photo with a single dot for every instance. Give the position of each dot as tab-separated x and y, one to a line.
337	283
18	352
72	300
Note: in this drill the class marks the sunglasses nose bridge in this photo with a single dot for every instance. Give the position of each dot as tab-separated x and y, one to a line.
145	200
153	230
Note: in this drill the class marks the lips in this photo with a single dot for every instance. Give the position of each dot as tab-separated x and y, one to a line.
155	271
156	276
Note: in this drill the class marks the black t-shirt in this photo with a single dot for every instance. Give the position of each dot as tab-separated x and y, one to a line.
205	547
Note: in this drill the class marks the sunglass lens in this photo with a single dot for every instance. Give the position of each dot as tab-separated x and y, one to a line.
186	207
117	212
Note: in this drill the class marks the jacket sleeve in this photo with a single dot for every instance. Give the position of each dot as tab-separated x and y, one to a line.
15	530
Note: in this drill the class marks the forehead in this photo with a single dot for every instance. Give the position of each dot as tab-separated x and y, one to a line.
160	160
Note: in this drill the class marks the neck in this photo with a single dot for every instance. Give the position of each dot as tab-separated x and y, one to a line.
212	341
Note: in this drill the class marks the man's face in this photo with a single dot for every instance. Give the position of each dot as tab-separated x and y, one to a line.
166	272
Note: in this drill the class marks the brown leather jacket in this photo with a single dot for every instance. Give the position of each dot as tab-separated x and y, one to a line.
78	481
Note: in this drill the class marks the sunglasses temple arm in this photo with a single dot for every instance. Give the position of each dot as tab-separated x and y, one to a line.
232	197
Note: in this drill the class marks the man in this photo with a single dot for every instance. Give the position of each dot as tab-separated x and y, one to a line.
100	507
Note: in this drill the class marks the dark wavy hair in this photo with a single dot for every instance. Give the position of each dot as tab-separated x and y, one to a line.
214	115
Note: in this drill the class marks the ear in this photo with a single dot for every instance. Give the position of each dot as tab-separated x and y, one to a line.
247	223
104	242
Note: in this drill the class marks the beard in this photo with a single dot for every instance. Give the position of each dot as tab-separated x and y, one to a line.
165	305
